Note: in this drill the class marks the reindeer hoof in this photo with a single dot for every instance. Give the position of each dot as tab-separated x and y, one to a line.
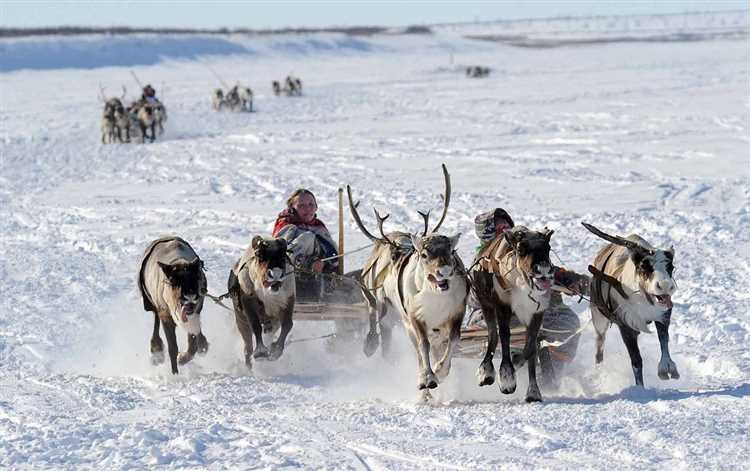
533	394
507	380
668	369
428	381
202	344
276	351
486	374
372	341
260	352
157	358
184	357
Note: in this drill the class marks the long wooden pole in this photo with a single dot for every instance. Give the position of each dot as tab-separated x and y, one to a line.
341	230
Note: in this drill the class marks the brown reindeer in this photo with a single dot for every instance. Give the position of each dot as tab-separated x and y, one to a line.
263	291
173	285
513	277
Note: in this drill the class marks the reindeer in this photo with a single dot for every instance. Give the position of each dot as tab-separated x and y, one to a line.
145	119
292	86
160	116
246	98
108	129
513	275
477	71
173	285
428	286
113	117
387	250
217	99
633	287
276	87
263	294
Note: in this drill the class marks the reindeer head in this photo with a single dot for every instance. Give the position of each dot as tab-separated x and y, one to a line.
437	259
653	267
271	261
187	285
531	254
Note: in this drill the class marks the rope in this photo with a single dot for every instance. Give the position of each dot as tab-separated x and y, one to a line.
347	253
218	299
560	343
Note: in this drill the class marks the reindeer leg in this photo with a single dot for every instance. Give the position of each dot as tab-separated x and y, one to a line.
192	349
241	319
427	379
630	337
153	131
530	353
484	293
667	368
169	332
254	309
277	348
601	324
507	371
157	346
443	366
372	340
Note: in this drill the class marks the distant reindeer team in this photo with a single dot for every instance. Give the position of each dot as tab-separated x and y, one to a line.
144	117
421	279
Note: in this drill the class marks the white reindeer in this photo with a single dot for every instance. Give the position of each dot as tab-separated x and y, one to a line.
632	287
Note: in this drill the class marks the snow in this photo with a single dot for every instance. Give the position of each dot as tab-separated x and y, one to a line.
635	137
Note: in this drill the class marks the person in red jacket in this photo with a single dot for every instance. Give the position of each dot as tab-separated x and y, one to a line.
306	235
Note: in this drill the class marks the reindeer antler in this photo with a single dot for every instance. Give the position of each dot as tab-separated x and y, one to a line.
381	220
617	240
355	215
426	217
446	198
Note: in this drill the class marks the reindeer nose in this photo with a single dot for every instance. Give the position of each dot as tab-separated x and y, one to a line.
666	286
445	271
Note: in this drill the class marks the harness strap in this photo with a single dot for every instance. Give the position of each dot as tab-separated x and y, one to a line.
605	306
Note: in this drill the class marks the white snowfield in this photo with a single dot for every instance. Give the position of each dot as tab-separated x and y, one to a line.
650	138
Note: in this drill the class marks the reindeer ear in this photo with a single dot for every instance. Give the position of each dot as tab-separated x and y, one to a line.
167	269
454	241
257	240
416	241
670	252
282	243
548	234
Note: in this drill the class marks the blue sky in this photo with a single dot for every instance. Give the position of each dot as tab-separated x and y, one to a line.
277	14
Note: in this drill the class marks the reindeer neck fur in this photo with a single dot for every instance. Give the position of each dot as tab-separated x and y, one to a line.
422	300
523	298
636	311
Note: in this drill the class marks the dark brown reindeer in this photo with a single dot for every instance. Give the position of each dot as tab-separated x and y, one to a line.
263	290
633	287
173	286
513	276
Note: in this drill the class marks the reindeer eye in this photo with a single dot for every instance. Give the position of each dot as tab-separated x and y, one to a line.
423	255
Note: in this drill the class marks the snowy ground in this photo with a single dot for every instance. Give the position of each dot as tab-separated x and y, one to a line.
648	138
